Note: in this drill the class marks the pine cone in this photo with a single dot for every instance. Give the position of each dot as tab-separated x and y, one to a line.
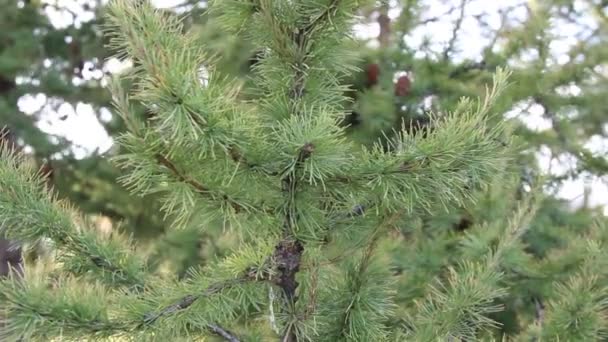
373	72
402	87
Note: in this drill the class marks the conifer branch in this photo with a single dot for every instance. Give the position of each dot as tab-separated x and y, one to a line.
186	301
296	45
119	274
70	311
324	16
458	153
359	272
64	310
301	37
158	45
237	157
578	310
164	161
200	188
148	154
458	310
67	305
29	211
288	252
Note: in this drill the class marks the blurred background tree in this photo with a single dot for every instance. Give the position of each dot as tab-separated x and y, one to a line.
417	56
53	103
52	64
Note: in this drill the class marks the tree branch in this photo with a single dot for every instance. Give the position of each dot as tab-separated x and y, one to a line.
539	313
300	37
164	161
238	158
202	189
102	263
450	47
539	310
328	12
187	301
365	262
223	333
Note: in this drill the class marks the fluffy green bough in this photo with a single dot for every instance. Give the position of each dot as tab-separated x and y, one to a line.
273	166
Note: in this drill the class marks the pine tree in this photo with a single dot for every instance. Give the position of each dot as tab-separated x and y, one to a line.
553	50
321	223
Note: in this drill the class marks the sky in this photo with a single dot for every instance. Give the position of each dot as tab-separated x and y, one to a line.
80	125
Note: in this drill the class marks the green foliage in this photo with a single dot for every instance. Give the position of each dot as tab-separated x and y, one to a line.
29	213
55	65
50	315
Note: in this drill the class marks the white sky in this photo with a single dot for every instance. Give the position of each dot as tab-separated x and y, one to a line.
80	125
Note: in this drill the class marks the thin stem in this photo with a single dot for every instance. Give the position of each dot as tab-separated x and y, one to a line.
187	301
365	261
228	336
457	26
201	188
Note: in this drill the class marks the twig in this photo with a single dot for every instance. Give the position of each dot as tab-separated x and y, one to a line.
555	122
75	245
503	22
164	161
540	310
200	188
223	333
236	156
481	65
186	301
183	303
539	313
437	18
458	24
300	37
331	8
312	291
366	259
